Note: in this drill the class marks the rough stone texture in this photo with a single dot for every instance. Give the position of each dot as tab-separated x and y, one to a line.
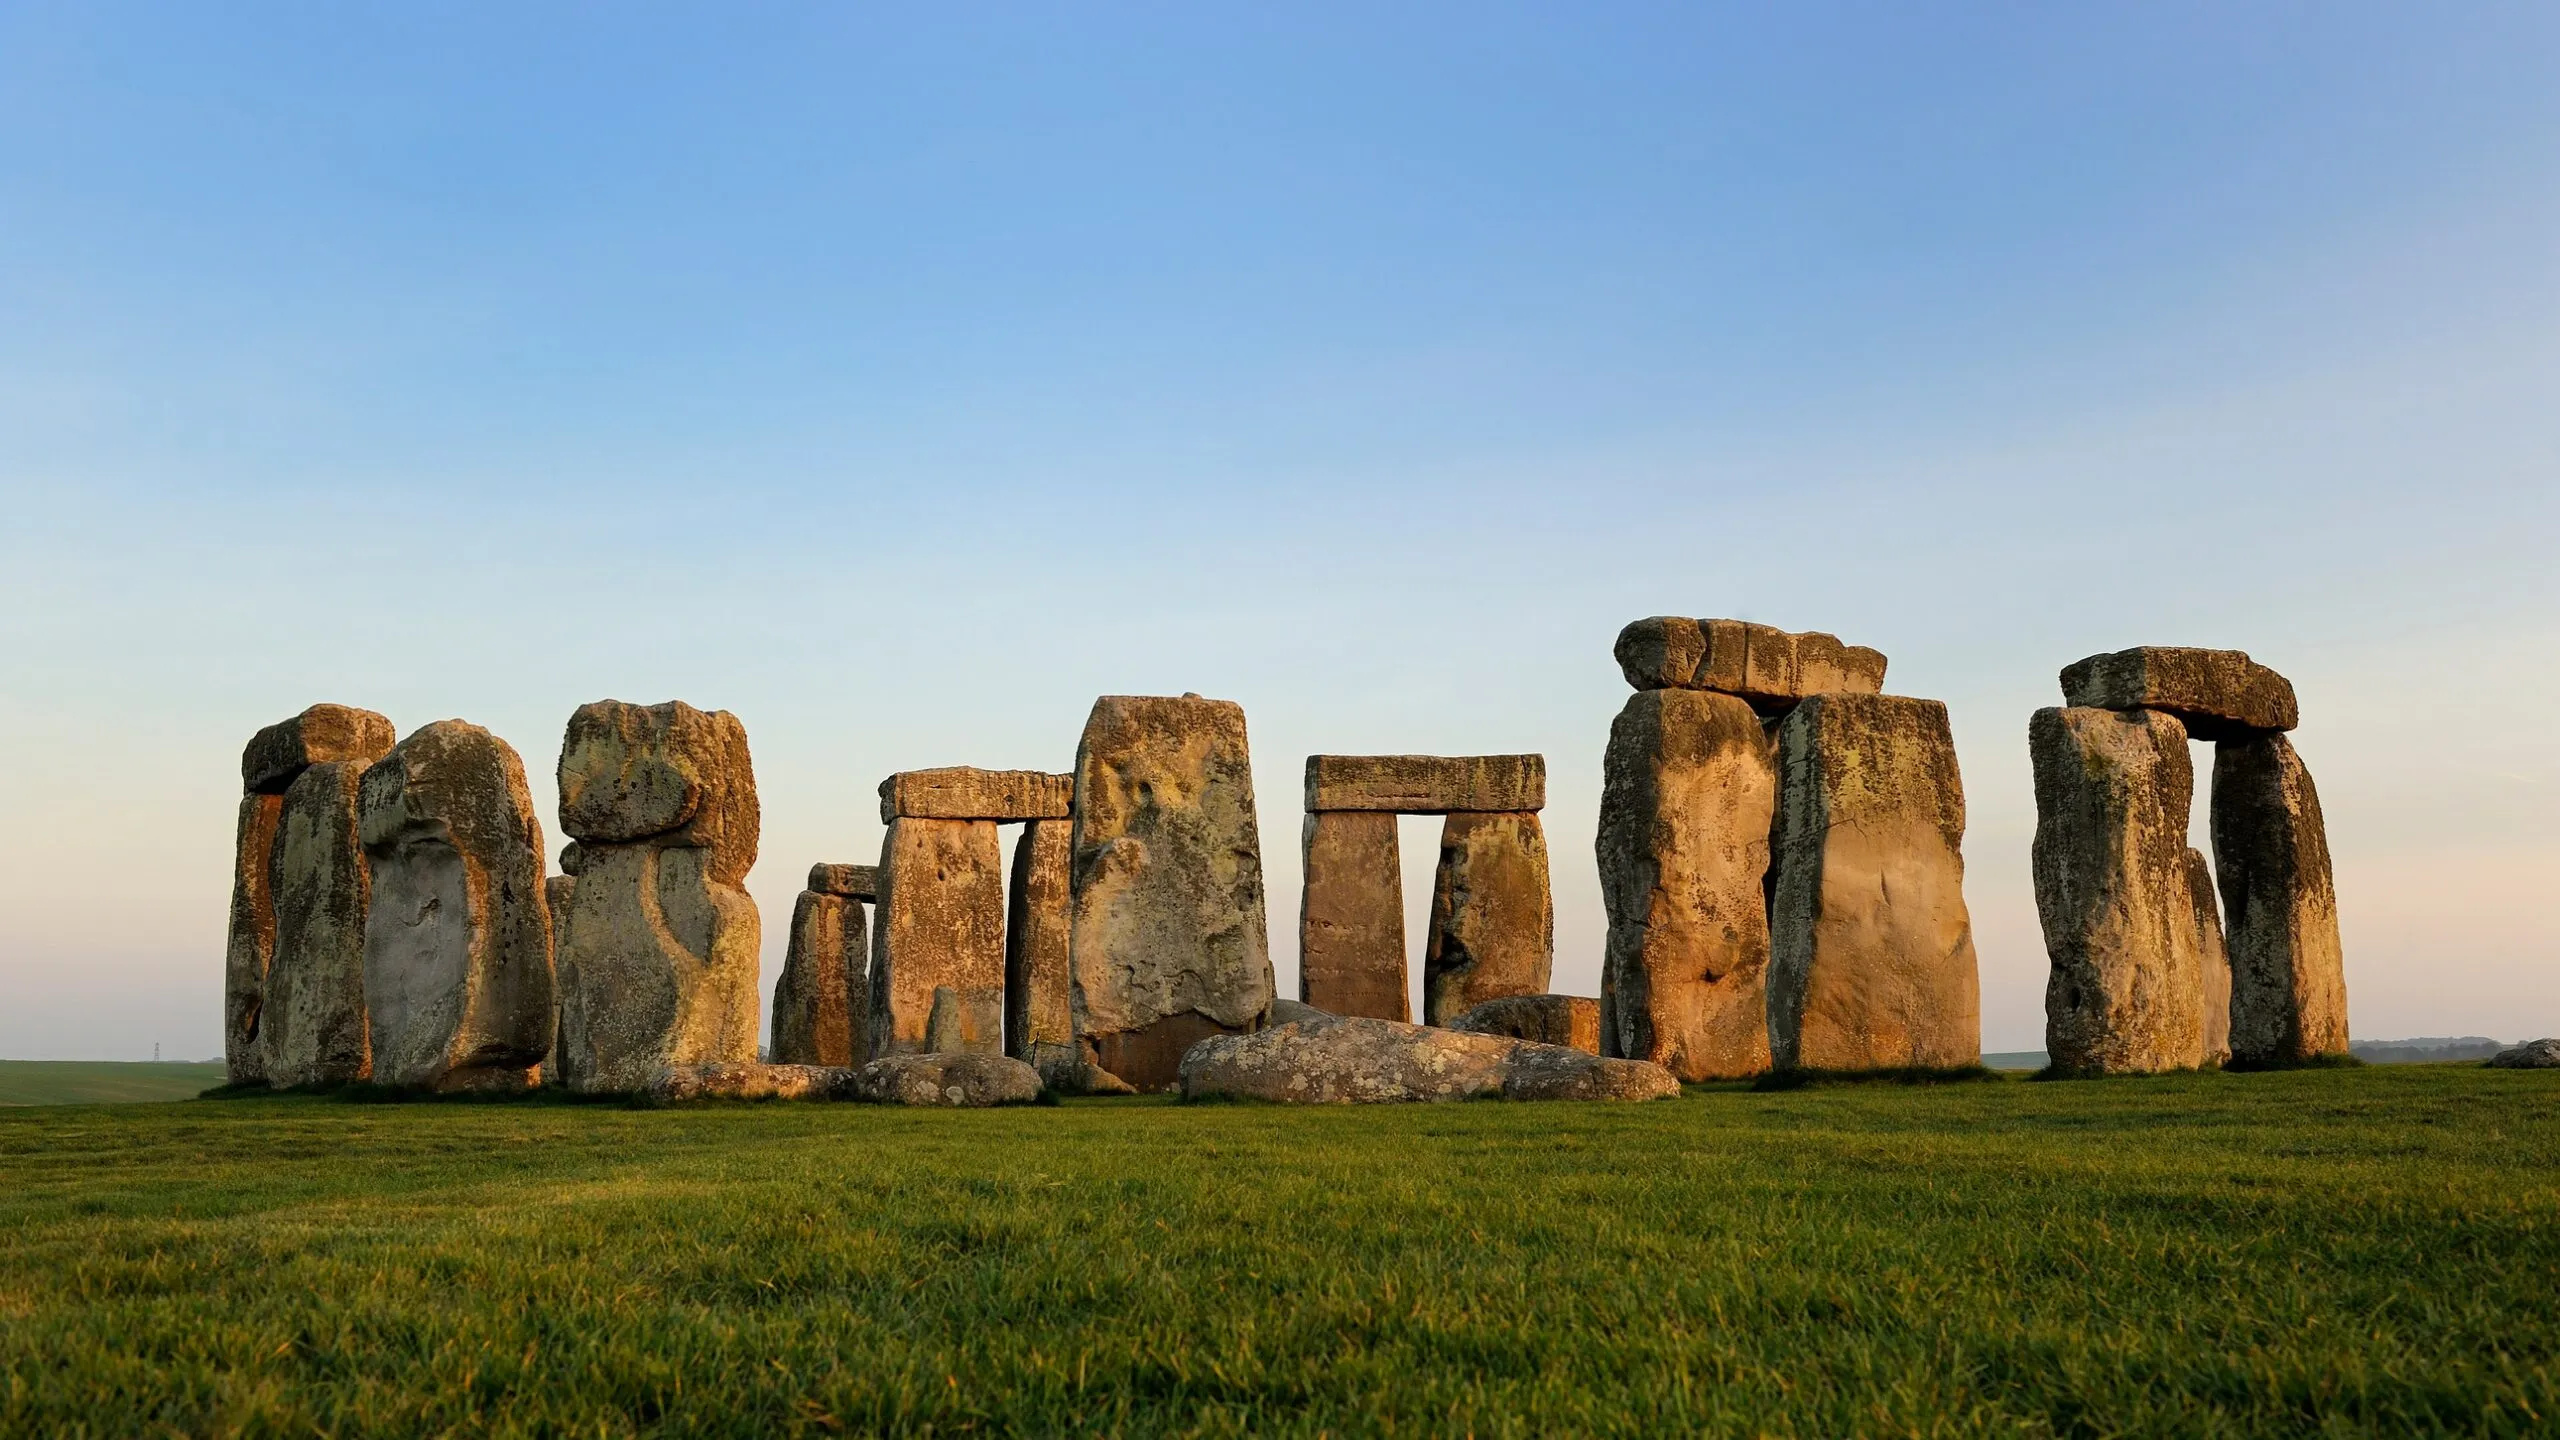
1493	915
2213	961
965	1021
1685	804
1572	1021
1168	944
2219	694
1285	1011
1072	1074
2126	992
2288	976
961	792
941	923
822	1000
251	943
1357	1060
1871	961
557	894
851	882
658	964
2531	1055
1351	958
1770	667
753	1081
951	1080
280	752
667	774
1039	1008
1426	784
457	945
311	1030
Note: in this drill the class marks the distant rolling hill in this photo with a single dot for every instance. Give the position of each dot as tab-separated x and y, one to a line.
104	1082
2425	1050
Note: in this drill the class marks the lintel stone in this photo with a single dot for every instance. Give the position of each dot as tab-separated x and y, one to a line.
850	882
2218	694
1770	667
963	792
1428	784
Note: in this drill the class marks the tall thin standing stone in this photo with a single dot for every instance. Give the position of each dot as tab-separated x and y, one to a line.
2271	848
1351	956
312	1029
822	1000
2213	958
1493	915
941	926
1039	1006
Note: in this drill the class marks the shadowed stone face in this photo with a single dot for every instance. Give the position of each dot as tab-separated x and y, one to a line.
822	1001
2217	694
2288	975
2212	959
1351	957
1335	1061
1039	1016
251	944
1493	919
312	1026
1569	1020
941	923
321	734
1871	946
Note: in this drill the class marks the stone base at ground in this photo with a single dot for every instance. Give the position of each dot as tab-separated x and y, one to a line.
1572	1021
1039	1006
948	1080
1361	1061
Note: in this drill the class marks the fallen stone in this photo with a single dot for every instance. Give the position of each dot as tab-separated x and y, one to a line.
1071	1074
1493	917
822	999
1285	1011
251	942
850	882
750	1080
1358	1061
940	923
1351	957
2126	993
667	774
952	1080
311	1029
1871	946
1686	797
2218	694
1039	1006
1169	943
2213	959
321	734
1770	667
2271	849
961	792
1572	1021
2531	1055
1426	784
457	941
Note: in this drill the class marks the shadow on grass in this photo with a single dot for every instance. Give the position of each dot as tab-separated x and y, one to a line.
1902	1075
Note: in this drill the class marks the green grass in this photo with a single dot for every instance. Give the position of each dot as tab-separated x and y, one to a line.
103	1082
2318	1252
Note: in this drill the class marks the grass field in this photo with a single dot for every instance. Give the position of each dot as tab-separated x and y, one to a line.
2330	1252
104	1082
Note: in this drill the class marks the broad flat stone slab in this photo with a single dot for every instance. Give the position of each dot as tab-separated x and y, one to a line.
1039	1001
851	882
940	923
1871	946
2218	694
1687	793
2271	849
1359	1061
457	941
947	1080
822	999
1770	667
1426	784
961	792
1169	943
664	774
1493	915
312	1029
1351	956
1572	1021
323	733
2113	891
250	944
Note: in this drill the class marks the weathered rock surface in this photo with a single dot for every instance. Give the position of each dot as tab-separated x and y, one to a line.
1493	916
321	734
1169	943
2213	960
2218	694
251	942
941	923
457	943
1686	799
1072	1074
822	999
667	774
2531	1055
951	1080
1039	1006
965	1021
1351	958
2126	992
2271	848
751	1080
312	1029
851	882
962	792
1357	1060
1871	946
1285	1011
1770	667
1572	1021
1426	784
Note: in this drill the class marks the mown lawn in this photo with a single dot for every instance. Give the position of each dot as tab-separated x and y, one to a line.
2331	1252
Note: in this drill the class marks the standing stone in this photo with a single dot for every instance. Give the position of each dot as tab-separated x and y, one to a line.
2288	975
251	946
556	894
1039	1008
965	1021
659	966
311	1028
457	948
1169	944
2113	890
1493	915
2212	959
822	1001
1685	803
1351	958
941	923
1871	947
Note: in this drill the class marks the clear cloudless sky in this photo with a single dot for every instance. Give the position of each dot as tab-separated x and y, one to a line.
901	378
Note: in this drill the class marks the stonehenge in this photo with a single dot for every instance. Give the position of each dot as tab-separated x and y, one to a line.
822	1002
941	922
1039	1004
2147	974
1572	1021
312	1025
1493	914
1355	1060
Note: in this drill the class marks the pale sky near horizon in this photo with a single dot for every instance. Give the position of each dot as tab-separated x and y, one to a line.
901	379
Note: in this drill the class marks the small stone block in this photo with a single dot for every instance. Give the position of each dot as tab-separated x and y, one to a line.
319	735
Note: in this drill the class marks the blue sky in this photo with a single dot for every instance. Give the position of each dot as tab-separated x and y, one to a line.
902	379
